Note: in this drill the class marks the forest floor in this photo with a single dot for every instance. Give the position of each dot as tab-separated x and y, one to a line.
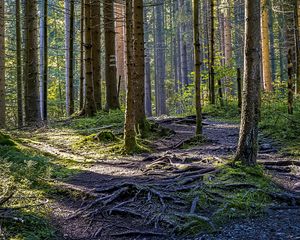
177	191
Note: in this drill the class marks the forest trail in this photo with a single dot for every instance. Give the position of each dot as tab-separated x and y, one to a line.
136	197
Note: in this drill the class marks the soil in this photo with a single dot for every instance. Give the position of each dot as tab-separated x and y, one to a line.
130	197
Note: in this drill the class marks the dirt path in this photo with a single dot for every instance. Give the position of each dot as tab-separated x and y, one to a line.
135	197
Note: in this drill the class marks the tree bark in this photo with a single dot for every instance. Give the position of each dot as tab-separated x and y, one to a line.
212	97
129	128
2	65
139	60
112	101
69	19
248	143
96	53
81	80
32	99
89	105
197	49
19	63
265	43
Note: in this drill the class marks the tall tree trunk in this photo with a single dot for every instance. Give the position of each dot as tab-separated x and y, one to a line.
81	80
272	42
44	61
212	97
33	114
182	46
96	53
290	82
2	65
69	20
160	58
248	143
139	59
297	39
19	63
89	105
265	43
148	102
129	128
112	101
197	68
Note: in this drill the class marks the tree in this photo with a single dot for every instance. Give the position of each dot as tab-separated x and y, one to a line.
81	80
2	66
32	99
19	63
160	71
44	60
248	143
69	19
265	43
89	104
96	53
139	66
212	97
129	128
197	68
112	101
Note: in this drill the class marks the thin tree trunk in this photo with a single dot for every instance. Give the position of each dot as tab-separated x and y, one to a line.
69	19
89	105
197	49
19	63
148	103
265	43
129	128
139	59
212	97
2	66
112	101
290	82
297	41
81	83
96	53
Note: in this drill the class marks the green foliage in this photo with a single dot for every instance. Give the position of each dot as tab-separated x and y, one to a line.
278	124
24	172
113	119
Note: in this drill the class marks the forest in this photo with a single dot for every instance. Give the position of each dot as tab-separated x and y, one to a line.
149	119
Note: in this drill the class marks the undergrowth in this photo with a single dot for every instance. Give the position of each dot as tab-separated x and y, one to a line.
236	192
24	172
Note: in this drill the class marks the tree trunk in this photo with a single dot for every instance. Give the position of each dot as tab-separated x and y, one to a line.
248	143
2	65
112	101
81	80
212	97
290	82
265	43
197	68
33	114
44	62
272	42
96	53
160	58
19	63
129	128
139	60
69	20
89	105
297	39
148	102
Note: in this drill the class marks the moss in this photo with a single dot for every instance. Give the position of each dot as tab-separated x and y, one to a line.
5	140
197	140
105	136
